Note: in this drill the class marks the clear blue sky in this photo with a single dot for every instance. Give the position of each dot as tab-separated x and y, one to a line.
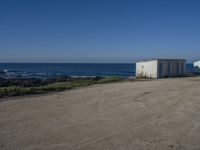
98	30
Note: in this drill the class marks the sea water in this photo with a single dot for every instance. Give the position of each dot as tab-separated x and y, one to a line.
45	70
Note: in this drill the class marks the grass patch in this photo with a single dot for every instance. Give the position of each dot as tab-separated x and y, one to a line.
58	86
110	80
82	83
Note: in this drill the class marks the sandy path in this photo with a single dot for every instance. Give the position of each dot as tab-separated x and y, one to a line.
147	115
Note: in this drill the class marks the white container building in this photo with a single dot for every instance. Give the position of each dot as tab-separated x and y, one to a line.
197	64
160	68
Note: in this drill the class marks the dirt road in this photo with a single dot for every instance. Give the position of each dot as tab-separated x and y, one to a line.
147	115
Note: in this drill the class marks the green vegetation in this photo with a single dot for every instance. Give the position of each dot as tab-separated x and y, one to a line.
16	91
110	79
57	86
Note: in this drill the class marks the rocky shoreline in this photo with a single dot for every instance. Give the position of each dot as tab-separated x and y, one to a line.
36	82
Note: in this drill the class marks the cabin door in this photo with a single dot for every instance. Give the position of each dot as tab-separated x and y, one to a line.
169	69
177	69
182	68
160	68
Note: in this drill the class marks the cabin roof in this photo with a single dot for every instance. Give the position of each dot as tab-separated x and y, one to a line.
160	59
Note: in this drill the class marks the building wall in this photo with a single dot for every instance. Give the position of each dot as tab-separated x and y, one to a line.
146	69
197	64
171	68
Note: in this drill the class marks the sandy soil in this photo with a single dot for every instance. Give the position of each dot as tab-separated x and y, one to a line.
148	115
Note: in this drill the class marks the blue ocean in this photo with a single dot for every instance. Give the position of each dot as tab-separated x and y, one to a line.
45	70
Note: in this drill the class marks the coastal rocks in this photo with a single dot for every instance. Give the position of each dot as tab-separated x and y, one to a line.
2	74
33	82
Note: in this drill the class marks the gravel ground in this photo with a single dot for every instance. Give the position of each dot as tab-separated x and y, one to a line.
160	114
